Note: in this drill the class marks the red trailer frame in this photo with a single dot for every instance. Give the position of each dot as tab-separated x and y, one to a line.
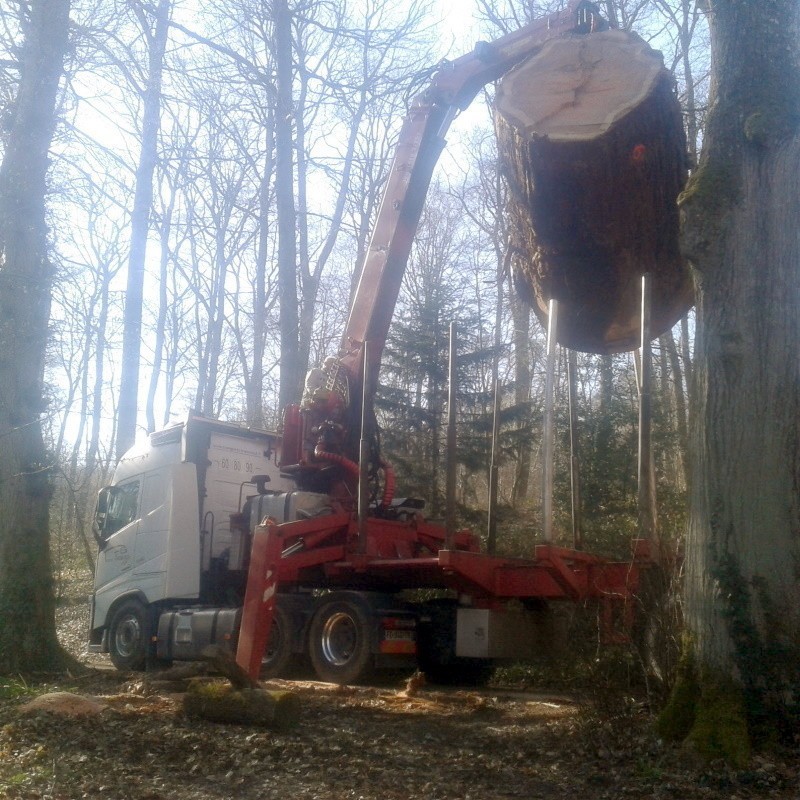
324	552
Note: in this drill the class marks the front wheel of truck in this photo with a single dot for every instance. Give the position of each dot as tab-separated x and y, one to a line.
128	636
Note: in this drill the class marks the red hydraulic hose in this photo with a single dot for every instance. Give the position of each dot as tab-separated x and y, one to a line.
388	488
352	467
349	465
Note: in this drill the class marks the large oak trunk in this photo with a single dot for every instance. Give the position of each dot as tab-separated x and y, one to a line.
592	146
741	209
27	621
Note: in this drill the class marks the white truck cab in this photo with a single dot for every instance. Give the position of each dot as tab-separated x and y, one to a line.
174	530
164	530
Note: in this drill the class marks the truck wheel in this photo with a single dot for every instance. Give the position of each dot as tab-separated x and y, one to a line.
339	644
128	636
279	647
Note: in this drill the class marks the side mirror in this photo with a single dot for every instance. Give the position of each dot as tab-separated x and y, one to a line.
101	515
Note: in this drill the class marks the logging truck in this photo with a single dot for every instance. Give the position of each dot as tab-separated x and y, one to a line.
295	545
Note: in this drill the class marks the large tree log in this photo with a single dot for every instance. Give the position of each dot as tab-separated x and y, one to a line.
219	702
592	145
245	701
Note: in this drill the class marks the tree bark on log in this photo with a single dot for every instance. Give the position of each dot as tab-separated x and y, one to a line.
217	702
592	146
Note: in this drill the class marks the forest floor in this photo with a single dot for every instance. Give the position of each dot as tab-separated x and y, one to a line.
363	743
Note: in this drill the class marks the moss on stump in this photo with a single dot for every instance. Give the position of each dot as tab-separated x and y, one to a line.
677	718
720	726
221	702
707	711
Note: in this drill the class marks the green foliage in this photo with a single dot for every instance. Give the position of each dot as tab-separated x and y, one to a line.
14	688
411	404
607	678
608	442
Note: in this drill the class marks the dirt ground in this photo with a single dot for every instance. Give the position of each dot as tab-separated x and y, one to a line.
364	743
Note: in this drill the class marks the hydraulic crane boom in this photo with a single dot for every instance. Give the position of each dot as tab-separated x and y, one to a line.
328	427
452	89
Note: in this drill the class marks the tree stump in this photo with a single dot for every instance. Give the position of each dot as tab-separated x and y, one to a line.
221	702
592	146
243	701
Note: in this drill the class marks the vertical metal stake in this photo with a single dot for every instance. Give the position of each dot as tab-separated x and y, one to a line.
491	534
646	494
363	456
450	493
548	434
575	450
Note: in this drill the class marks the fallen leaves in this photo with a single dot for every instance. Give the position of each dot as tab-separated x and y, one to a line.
383	743
359	742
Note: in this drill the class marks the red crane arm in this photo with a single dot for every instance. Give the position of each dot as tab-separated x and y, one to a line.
326	423
420	144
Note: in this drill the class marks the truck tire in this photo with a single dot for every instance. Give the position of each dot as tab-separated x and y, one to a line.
339	642
128	636
279	647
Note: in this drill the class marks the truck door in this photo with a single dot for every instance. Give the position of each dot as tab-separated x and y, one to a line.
152	537
116	526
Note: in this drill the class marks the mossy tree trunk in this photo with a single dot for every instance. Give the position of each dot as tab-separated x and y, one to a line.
27	623
740	216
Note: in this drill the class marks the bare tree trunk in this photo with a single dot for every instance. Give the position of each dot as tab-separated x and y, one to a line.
679	399
740	232
140	224
215	323
521	316
290	372
254	387
161	320
27	633
93	449
688	362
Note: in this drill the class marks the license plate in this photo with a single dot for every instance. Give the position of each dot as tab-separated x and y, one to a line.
403	635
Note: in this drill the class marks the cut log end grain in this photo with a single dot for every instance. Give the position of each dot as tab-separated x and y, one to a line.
63	704
591	144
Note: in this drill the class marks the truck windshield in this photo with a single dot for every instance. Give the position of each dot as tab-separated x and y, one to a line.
121	506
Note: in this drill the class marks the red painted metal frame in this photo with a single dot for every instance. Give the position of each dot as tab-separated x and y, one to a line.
323	552
259	600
